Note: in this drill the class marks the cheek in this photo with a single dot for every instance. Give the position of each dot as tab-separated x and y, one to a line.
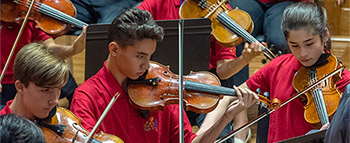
317	50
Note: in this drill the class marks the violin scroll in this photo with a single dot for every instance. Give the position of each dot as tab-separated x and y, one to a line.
266	103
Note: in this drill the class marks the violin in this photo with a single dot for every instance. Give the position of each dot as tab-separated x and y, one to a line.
321	102
299	94
53	17
226	23
202	90
66	127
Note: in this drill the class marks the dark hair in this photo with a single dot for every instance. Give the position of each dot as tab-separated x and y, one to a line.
305	15
133	25
16	129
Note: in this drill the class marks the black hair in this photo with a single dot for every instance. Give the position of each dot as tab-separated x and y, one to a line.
16	129
305	15
133	25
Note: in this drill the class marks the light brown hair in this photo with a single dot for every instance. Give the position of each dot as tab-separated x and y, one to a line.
36	63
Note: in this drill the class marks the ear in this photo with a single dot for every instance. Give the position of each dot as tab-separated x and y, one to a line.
113	48
19	86
327	36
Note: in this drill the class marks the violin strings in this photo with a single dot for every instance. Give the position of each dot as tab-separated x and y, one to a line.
45	9
247	36
223	17
318	100
227	20
320	106
62	16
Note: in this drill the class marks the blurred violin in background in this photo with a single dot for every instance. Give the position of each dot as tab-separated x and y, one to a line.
54	17
228	26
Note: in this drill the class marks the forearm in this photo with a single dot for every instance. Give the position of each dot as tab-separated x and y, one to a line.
215	115
227	68
70	50
240	120
61	50
211	133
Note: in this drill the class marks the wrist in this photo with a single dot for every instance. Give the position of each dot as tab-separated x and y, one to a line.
246	59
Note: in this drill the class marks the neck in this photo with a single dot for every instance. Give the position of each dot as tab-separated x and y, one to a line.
114	69
18	108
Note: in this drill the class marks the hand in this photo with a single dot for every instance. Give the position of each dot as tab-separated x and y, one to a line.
79	43
0	87
325	126
246	98
250	51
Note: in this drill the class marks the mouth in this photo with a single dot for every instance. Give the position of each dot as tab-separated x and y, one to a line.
140	73
305	60
47	109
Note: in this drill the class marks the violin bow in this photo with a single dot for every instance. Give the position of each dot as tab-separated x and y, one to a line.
228	136
181	89
109	106
16	41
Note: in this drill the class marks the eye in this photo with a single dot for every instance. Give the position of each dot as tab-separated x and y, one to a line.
140	56
46	90
309	44
294	46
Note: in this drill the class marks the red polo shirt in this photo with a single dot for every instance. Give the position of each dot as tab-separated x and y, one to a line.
6	109
9	32
169	9
276	78
92	97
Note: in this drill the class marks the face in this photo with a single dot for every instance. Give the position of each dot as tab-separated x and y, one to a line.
133	61
39	101
305	46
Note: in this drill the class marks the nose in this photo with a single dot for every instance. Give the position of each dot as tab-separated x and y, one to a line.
145	65
303	51
55	97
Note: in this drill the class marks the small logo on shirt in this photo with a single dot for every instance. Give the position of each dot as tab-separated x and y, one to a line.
151	124
233	50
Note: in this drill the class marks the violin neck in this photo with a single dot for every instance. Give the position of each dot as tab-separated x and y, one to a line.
234	27
207	88
47	10
54	13
317	96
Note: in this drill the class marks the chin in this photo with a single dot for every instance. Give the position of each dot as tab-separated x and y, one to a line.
134	77
42	116
307	65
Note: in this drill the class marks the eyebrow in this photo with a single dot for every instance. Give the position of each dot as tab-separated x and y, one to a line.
303	42
142	53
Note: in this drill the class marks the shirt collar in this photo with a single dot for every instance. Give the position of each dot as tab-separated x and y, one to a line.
109	82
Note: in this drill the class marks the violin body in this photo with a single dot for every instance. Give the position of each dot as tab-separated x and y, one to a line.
54	17
226	37
331	93
149	97
73	131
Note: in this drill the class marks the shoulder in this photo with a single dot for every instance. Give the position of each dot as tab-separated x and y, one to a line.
90	86
286	58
